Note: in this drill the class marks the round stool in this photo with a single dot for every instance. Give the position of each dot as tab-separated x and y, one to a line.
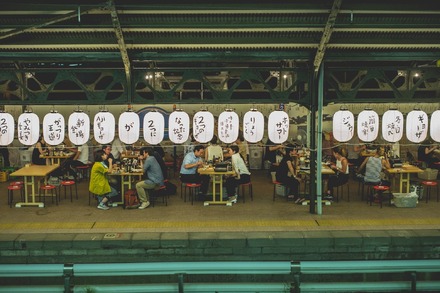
193	190
250	192
275	183
157	193
83	171
50	187
69	183
11	189
380	189
428	185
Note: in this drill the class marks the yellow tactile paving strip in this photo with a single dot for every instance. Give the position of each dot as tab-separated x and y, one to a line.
216	224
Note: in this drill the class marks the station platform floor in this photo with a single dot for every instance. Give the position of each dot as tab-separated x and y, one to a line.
260	215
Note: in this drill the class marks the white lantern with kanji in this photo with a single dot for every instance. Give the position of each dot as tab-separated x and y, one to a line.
416	126
154	127
435	127
28	128
253	126
53	128
128	127
79	128
178	127
203	126
392	125
7	126
228	126
343	125
278	126
104	127
367	125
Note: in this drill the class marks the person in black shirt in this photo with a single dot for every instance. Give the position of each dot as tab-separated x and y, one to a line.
426	153
287	173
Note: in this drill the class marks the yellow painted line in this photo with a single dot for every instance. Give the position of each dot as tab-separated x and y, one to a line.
379	222
205	224
46	225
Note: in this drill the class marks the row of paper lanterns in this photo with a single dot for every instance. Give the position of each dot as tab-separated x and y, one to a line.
28	127
367	129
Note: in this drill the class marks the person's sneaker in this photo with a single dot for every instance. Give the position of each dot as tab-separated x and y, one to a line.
103	207
144	205
233	199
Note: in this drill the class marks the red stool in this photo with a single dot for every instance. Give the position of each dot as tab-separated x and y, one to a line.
83	170
193	190
11	189
428	185
243	186
69	183
156	194
50	187
275	183
380	189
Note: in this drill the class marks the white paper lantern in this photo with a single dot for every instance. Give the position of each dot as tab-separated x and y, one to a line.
278	126
367	125
128	127
28	128
104	127
228	126
253	126
178	127
435	126
416	126
79	128
7	126
203	126
343	125
154	127
392	125
53	128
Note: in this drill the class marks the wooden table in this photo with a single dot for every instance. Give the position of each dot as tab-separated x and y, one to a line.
405	173
217	178
130	155
56	159
29	174
368	153
126	180
325	170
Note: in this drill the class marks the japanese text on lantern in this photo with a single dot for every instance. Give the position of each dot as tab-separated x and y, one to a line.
24	129
421	126
347	124
226	126
394	126
199	126
249	126
101	126
78	128
129	126
54	129
179	129
368	125
152	128
282	127
3	126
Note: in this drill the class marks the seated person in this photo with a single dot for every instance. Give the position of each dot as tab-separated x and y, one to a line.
117	149
40	148
425	153
158	157
213	150
153	175
341	170
374	166
81	158
188	172
273	153
287	173
99	184
242	174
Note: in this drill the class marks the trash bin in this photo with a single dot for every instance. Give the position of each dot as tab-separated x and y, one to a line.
255	157
405	200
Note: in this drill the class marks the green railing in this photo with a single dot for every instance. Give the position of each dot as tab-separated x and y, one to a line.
294	271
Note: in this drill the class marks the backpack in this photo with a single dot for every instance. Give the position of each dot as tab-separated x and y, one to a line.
131	200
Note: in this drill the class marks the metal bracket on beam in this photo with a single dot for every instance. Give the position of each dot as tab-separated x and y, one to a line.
67	274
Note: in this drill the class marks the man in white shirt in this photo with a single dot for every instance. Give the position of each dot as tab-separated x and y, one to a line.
81	158
117	148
